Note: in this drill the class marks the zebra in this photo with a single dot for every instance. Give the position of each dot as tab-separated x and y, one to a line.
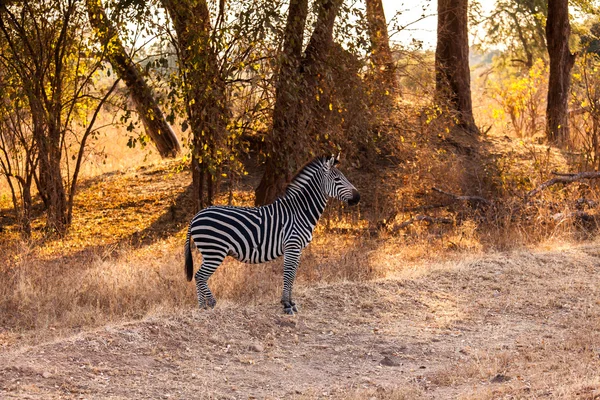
259	234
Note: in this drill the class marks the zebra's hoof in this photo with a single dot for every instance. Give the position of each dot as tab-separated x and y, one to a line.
211	303
289	310
294	308
208	304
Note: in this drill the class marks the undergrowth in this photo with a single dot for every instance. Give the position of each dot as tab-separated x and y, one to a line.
123	256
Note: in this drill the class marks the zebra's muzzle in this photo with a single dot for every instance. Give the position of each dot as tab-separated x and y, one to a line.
355	198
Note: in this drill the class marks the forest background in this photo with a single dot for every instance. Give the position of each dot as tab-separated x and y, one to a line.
120	119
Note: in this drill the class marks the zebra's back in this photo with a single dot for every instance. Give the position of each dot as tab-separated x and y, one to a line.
251	235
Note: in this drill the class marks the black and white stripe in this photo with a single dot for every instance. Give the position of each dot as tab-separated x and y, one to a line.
259	234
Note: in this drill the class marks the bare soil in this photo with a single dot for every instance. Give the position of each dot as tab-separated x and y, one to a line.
512	325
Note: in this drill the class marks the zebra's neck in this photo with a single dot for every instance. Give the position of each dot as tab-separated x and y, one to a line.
307	201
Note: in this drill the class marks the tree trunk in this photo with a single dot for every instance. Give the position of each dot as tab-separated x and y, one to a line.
296	95
381	54
316	90
47	137
50	174
278	165
154	121
204	92
452	74
558	31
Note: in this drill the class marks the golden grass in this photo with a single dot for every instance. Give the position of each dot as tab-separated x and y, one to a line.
520	324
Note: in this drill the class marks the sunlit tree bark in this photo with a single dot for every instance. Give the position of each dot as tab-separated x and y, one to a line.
381	54
562	60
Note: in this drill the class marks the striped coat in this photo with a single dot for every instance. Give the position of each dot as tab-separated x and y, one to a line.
259	234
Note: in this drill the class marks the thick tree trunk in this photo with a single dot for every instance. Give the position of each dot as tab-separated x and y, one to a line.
296	98
381	54
204	91
279	165
452	74
558	31
316	90
154	121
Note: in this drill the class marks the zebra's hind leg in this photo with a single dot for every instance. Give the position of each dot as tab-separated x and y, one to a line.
205	296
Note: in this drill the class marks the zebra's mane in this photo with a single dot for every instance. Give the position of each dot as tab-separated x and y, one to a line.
305	174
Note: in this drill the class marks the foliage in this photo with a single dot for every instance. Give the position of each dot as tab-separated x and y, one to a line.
519	27
521	98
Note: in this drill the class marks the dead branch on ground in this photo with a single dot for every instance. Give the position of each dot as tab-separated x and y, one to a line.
383	223
473	200
563	178
418	218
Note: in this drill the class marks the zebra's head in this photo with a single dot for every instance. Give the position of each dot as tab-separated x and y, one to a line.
336	184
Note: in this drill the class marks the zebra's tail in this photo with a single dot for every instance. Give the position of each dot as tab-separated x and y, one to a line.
189	261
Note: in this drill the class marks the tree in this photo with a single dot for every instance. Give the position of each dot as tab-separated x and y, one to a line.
381	54
299	82
50	57
18	155
143	97
277	165
203	92
452	74
558	30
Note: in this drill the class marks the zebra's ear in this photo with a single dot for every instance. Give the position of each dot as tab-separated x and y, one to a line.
330	161
337	159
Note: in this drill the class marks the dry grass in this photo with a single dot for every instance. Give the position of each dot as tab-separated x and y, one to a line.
522	324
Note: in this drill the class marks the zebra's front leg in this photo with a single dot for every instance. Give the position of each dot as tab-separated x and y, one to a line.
291	259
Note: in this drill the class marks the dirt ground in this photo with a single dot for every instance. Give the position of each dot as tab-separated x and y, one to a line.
517	325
